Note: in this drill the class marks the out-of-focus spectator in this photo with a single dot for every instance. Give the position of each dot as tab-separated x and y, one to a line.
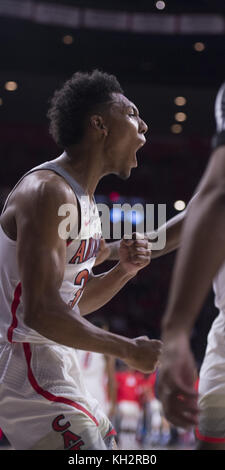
156	429
129	406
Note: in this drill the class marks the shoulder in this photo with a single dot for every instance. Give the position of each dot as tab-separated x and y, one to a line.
46	184
38	203
43	190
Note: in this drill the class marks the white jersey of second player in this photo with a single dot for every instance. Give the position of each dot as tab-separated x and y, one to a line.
219	288
93	367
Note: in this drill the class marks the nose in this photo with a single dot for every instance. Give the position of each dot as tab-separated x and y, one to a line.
143	128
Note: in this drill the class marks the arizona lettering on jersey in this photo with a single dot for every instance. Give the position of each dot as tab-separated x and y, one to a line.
86	250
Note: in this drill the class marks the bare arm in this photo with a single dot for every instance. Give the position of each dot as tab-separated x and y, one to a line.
101	288
110	251
173	229
203	248
107	251
41	261
200	256
173	234
134	255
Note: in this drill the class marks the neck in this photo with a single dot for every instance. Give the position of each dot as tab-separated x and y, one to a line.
84	166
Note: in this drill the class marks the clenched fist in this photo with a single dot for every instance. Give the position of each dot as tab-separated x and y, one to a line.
134	254
144	354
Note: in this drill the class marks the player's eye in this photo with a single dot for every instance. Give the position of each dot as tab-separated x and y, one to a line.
132	113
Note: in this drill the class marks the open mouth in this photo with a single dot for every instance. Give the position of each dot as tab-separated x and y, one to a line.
141	142
134	162
140	145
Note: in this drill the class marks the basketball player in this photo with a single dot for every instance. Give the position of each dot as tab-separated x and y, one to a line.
200	259
44	404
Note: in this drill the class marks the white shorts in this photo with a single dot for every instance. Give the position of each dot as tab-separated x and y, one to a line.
129	413
211	426
44	403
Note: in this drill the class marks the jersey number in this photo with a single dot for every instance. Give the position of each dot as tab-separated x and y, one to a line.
80	280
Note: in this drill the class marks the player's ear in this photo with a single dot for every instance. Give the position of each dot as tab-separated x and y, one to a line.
97	123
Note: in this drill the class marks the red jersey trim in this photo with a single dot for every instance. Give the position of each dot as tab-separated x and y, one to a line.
86	359
70	240
49	396
208	439
14	306
111	433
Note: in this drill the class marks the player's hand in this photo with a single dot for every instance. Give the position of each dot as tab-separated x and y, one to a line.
134	254
103	252
176	382
145	355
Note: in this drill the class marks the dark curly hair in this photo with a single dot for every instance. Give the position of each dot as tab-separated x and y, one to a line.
78	96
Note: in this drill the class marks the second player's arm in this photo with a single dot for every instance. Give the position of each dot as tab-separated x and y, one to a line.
173	229
200	256
202	250
110	251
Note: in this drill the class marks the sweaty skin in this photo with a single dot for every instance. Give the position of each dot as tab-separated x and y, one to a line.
31	217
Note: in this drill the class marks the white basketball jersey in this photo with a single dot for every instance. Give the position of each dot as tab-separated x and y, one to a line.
219	288
80	258
93	367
